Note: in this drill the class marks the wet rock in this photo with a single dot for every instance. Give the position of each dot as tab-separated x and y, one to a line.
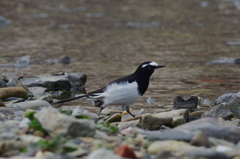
211	127
225	98
151	122
114	118
80	110
190	103
57	124
169	134
125	151
179	116
36	104
58	82
219	111
103	154
4	21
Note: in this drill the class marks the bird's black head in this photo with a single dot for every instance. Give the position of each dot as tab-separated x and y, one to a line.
147	68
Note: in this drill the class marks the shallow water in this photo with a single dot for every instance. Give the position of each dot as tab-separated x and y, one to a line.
109	39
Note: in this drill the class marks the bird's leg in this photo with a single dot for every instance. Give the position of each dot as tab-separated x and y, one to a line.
101	108
127	109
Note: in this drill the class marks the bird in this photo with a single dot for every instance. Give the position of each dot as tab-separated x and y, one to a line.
124	90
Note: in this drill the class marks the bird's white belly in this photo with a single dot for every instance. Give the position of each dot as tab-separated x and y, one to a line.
121	94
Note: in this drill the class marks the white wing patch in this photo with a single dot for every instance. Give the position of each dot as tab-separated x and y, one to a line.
151	64
121	94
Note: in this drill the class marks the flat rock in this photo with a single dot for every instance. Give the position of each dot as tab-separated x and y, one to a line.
169	134
57	124
180	149
35	104
103	154
179	116
211	127
152	122
56	82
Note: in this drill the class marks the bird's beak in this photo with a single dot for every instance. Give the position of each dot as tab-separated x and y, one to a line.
159	66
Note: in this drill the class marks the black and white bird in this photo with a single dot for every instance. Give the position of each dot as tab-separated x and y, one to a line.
125	90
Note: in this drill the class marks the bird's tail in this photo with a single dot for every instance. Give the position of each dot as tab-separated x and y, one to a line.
70	99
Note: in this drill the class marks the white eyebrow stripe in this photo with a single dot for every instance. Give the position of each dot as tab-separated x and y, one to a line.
151	63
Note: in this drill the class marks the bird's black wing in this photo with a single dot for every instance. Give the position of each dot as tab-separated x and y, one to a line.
130	78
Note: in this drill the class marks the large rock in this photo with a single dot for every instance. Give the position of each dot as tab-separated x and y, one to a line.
228	106
180	149
179	116
9	142
211	127
57	82
219	111
57	124
35	104
169	134
226	98
151	122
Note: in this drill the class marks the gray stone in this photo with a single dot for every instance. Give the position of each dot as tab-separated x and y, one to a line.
57	82
103	154
37	91
219	111
205	102
234	105
11	147
8	128
36	104
169	134
80	110
211	127
225	98
206	153
125	125
57	124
